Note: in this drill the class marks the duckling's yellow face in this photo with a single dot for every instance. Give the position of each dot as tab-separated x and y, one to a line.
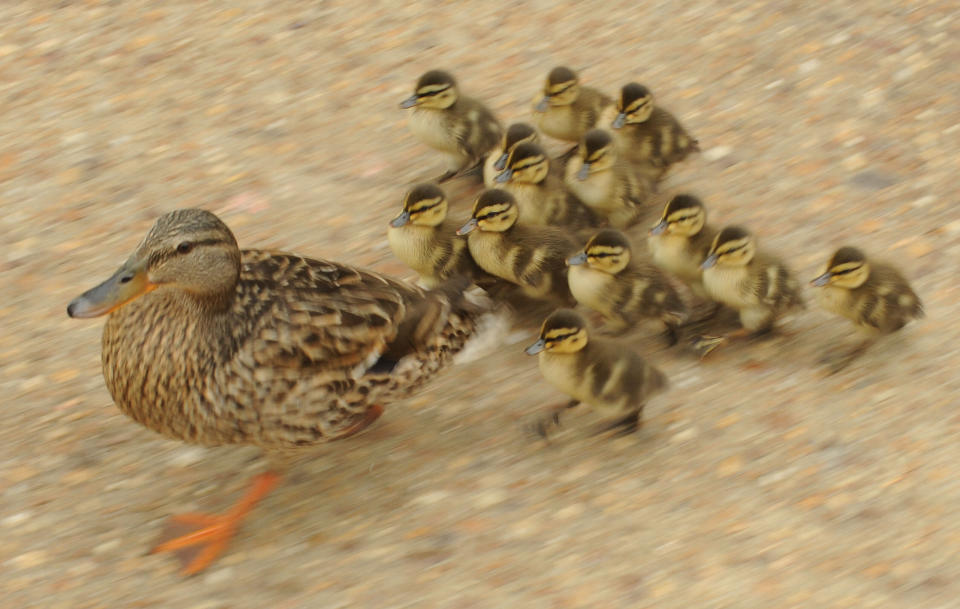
496	217
597	153
634	106
436	89
529	169
848	269
559	94
563	332
189	249
516	134
733	247
607	251
423	206
680	221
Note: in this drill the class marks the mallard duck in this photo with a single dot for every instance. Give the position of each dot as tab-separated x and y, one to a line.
516	133
459	126
680	241
426	241
647	135
541	196
604	182
210	344
566	109
873	295
605	278
753	282
606	374
532	257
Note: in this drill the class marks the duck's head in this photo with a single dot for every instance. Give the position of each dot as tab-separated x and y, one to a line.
848	268
190	250
683	215
435	89
565	331
494	210
597	152
608	251
561	89
733	246
423	205
517	133
527	164
634	105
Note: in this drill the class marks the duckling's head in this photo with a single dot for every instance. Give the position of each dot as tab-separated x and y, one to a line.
495	210
848	268
733	246
634	106
424	205
436	89
608	251
190	250
597	152
565	331
527	164
517	133
684	215
561	89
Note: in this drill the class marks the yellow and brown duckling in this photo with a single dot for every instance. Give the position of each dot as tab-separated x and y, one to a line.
606	374
759	286
606	183
515	134
873	295
541	196
681	240
271	349
606	278
532	257
461	127
565	110
424	239
649	136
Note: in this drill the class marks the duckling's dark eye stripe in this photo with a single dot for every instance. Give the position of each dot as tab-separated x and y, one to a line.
554	339
431	93
563	90
489	215
422	208
527	166
732	250
844	271
602	254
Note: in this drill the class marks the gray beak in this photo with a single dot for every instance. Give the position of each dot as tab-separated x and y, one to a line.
659	228
822	280
584	172
543	104
129	282
576	259
619	121
504	176
468	227
409	102
709	262
501	162
400	220
536	347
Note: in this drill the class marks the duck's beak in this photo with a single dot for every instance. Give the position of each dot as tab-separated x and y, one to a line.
504	176
659	228
468	227
576	259
584	172
822	280
409	102
536	347
501	161
709	262
543	104
619	121
400	220
129	282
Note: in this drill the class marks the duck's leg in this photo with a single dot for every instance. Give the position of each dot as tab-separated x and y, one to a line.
836	362
447	175
543	424
624	426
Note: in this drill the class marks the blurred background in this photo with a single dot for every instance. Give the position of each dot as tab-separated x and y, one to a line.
757	480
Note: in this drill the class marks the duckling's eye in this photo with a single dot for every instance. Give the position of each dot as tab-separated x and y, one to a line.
184	248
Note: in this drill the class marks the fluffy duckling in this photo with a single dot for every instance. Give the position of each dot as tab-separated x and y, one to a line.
566	109
649	136
532	257
754	283
426	241
873	295
516	133
605	182
605	278
541	196
606	374
461	127
680	241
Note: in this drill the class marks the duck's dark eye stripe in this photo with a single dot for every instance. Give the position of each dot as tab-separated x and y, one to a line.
487	216
187	246
527	166
601	254
845	271
424	208
562	337
563	90
732	250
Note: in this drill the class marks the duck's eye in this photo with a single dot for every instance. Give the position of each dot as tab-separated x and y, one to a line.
184	248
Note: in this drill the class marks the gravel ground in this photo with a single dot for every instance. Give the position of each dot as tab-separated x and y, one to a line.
757	481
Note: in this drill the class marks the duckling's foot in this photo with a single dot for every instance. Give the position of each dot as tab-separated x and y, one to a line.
704	345
623	426
209	535
543	425
835	361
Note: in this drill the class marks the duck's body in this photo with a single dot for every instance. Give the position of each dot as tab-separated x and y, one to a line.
680	242
565	109
606	183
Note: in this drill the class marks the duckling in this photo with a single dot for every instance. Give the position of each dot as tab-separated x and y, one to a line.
607	374
566	109
459	126
606	183
541	196
649	136
516	133
426	241
754	283
533	257
873	295
605	278
680	241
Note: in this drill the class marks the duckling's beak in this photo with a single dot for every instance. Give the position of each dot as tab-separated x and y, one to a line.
400	220
536	347
468	227
822	280
504	176
659	228
709	262
584	172
409	102
501	161
576	259
543	104
129	282
619	121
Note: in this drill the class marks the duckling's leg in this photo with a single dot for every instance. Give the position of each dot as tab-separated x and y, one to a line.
624	425
450	173
543	424
836	362
569	153
671	332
